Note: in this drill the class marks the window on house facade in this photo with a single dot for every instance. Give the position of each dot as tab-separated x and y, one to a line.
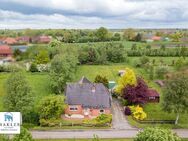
151	97
73	108
101	111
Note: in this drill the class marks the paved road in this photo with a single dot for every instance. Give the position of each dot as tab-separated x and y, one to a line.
89	134
119	121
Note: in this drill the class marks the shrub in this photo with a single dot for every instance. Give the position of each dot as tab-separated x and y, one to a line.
102	120
124	102
161	71
33	67
180	63
138	112
23	136
51	107
144	60
156	134
127	111
4	138
10	68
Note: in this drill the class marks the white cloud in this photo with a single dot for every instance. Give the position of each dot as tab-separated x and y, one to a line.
95	13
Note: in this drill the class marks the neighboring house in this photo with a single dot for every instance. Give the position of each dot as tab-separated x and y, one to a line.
10	41
41	39
153	96
86	99
24	39
156	38
5	51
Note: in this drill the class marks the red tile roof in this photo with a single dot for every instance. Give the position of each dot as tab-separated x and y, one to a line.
156	38
10	41
5	50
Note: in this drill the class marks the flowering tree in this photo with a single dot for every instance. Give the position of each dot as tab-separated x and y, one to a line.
129	78
136	94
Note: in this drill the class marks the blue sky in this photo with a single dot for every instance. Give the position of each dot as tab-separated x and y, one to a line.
18	14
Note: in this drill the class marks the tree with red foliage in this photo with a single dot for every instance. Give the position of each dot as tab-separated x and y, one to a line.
136	94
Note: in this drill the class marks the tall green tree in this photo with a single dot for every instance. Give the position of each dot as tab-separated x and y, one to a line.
19	94
62	70
102	33
129	34
175	95
101	79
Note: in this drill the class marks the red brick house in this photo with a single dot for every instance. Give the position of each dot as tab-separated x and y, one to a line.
153	96
86	99
5	51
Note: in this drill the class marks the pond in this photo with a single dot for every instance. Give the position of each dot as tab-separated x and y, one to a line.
23	48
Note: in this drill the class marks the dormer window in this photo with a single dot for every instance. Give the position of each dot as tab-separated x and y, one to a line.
93	89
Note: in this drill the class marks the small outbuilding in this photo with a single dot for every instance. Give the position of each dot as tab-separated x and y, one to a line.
121	72
153	96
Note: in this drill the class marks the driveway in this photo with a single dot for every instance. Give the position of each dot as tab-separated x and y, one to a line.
119	121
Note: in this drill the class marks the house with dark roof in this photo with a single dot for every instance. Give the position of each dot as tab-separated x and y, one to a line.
86	99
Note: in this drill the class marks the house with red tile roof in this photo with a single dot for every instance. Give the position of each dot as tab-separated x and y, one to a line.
156	38
5	51
10	41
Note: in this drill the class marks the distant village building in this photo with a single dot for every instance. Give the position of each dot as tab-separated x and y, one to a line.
5	51
42	39
86	99
10	41
24	39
